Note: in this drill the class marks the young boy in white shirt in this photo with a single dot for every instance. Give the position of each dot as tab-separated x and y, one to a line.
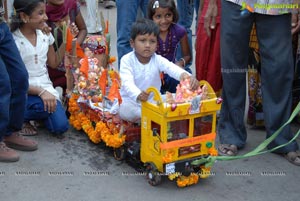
141	69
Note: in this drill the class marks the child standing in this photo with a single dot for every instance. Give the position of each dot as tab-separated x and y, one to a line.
164	14
37	51
141	69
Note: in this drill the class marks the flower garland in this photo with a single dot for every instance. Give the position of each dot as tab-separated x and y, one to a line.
108	132
183	181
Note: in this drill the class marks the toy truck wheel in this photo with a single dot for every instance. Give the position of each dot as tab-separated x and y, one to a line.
153	176
119	153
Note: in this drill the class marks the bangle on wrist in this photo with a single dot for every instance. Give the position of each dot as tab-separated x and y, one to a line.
43	91
182	59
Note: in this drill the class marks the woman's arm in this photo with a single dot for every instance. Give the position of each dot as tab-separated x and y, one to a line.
55	58
82	30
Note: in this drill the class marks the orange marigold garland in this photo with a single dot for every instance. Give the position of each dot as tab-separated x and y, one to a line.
74	111
80	121
183	181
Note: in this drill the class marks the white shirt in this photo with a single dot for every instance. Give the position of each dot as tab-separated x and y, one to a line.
137	77
35	59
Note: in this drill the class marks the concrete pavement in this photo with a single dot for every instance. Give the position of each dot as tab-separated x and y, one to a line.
75	169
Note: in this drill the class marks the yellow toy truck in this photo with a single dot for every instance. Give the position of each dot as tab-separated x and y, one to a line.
171	138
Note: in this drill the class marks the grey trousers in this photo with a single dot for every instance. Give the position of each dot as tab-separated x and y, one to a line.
275	43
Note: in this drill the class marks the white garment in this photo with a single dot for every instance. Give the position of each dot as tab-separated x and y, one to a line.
93	22
35	59
137	77
10	9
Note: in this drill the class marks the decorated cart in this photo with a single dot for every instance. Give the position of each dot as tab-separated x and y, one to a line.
175	129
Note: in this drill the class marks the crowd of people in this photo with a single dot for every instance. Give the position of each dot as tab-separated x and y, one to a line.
154	46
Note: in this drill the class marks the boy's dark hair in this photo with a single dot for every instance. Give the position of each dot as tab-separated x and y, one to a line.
25	6
170	4
144	26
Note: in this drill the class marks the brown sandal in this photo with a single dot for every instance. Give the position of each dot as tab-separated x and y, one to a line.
293	157
227	150
28	129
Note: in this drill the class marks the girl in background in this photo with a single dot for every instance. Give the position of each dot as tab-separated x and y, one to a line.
37	52
164	14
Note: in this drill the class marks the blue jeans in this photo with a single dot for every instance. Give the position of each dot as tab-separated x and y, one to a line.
186	17
126	15
277	72
56	122
13	84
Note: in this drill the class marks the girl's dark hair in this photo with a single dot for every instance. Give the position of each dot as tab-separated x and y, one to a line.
144	26
170	4
25	6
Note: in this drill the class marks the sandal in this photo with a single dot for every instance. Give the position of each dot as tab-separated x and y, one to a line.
28	129
293	157
227	150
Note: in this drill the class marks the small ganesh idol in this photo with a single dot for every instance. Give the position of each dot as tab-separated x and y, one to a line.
99	47
88	76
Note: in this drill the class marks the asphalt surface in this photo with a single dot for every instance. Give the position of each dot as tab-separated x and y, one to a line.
75	169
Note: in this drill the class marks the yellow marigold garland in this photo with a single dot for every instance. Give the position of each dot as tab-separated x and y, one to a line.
108	132
183	181
80	121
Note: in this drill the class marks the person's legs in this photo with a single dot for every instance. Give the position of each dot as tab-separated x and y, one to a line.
35	109
235	33
16	94
186	16
144	7
13	87
5	90
126	16
196	7
277	72
57	122
130	111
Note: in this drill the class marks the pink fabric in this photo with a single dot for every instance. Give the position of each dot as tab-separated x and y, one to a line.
208	55
57	12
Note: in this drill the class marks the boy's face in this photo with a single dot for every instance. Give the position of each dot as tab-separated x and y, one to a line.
144	46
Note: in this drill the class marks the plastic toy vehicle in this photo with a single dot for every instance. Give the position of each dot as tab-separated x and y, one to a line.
170	138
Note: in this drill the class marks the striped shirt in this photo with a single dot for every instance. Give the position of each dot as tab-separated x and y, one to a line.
269	7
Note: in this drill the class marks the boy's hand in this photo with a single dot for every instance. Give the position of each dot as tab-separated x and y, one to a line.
194	83
143	96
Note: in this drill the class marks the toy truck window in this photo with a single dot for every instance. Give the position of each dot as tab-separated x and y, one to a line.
177	129
203	125
155	129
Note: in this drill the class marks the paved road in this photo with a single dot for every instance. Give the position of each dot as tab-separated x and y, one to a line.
78	170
